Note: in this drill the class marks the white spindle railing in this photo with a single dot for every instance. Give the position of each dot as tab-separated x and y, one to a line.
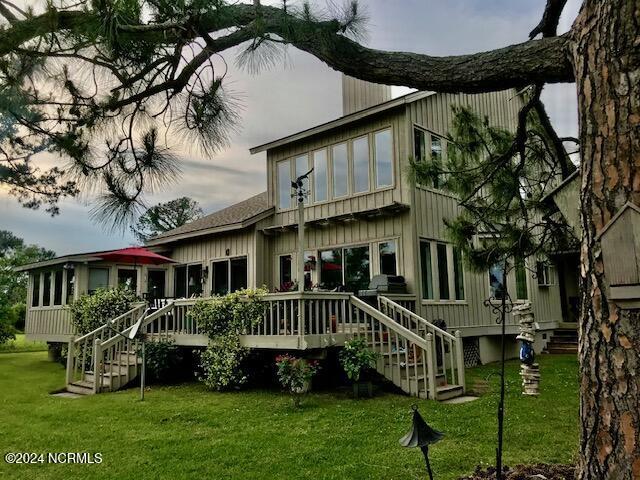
449	357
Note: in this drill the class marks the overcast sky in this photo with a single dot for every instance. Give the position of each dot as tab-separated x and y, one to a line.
300	93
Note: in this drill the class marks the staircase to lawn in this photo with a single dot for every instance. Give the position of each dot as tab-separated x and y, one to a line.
421	359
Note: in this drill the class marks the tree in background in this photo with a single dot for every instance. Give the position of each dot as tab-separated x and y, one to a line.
150	65
13	285
166	216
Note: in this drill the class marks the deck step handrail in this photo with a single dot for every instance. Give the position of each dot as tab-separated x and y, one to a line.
136	306
389	322
144	321
387	302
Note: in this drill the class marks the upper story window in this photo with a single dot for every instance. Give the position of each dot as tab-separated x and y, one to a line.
383	158
429	146
284	184
360	164
320	176
302	167
340	164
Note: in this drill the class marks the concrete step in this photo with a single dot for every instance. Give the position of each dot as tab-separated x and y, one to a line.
445	392
81	388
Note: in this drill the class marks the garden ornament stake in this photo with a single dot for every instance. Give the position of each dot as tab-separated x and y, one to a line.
421	435
500	310
300	194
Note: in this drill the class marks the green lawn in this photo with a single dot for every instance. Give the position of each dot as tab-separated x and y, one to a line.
21	344
187	432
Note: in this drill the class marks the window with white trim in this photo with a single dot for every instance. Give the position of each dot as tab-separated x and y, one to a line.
383	154
302	167
427	145
340	164
284	184
545	274
441	271
360	148
320	176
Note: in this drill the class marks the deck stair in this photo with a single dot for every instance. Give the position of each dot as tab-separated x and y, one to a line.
563	340
106	359
408	347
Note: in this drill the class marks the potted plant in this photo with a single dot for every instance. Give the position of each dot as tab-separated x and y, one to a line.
295	375
355	358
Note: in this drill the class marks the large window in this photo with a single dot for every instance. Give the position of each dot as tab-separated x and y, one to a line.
340	170
180	282
194	280
442	272
57	287
284	184
361	164
424	142
128	279
98	278
384	158
348	267
228	275
35	291
387	254
302	167
320	176
498	280
426	271
285	272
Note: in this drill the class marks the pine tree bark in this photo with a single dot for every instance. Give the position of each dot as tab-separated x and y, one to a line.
606	53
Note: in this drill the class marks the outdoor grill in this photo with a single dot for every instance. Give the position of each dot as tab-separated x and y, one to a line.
381	284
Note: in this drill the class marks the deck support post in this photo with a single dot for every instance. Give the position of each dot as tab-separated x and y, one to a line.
70	359
97	365
460	360
431	371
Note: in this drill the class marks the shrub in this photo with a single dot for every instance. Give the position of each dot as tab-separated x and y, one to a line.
355	357
162	359
221	364
224	319
7	332
19	314
89	312
295	374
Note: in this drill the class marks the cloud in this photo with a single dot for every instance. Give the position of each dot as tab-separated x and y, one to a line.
300	92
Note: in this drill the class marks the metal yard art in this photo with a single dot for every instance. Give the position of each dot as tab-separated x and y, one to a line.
421	435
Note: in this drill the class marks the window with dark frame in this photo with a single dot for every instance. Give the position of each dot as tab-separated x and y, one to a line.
285	272
180	281
443	271
57	287
46	290
388	260
35	292
427	270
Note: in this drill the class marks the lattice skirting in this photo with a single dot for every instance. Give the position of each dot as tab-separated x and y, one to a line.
471	349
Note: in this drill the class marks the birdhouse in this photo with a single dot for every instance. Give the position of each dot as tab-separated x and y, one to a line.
620	244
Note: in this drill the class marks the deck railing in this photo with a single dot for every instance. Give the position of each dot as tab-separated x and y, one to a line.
448	348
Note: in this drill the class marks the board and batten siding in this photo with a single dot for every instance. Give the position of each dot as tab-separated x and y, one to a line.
430	207
204	250
350	234
398	193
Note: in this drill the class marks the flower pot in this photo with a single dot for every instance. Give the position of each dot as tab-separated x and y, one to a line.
363	390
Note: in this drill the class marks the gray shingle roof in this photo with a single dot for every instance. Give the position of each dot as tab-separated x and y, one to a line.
231	216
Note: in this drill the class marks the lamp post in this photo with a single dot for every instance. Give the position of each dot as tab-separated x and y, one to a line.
421	435
301	193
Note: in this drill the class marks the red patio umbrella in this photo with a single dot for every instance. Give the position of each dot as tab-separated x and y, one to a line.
135	255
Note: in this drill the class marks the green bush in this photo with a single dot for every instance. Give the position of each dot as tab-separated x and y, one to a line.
19	315
223	319
89	312
7	332
295	374
221	364
355	357
162	359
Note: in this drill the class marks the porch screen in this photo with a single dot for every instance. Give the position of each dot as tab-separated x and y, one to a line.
98	278
46	290
35	298
57	287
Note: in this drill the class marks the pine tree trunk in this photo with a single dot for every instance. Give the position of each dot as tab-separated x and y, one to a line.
607	69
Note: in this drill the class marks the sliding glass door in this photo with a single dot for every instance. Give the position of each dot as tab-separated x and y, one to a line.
228	275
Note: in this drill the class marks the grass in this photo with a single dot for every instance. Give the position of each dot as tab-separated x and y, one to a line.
21	344
184	431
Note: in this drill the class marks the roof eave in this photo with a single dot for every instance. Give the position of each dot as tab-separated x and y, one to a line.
412	97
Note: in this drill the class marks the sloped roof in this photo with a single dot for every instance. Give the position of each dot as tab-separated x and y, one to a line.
240	215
